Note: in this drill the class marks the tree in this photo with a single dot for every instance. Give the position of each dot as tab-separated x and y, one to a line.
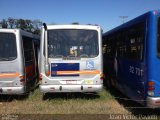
4	24
33	26
29	25
21	24
37	26
11	22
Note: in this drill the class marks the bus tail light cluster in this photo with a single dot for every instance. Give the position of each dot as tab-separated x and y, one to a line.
102	77
151	88
40	78
47	69
22	79
47	73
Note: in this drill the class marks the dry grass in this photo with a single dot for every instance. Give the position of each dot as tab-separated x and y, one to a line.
103	103
70	104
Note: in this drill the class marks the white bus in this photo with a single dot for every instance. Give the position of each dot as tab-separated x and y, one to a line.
71	58
18	65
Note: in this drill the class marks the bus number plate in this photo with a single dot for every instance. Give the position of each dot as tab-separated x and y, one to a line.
71	82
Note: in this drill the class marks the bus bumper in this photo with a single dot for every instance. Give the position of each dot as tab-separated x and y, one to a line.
12	90
153	102
70	88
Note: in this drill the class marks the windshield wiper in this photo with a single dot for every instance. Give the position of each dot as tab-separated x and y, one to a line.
7	59
4	59
12	58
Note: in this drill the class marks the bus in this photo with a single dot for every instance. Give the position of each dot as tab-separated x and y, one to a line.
18	61
131	55
70	58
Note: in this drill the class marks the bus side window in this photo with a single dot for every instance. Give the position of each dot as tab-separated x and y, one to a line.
136	42
28	49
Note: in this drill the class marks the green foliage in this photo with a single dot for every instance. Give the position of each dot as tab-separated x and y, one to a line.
4	23
33	26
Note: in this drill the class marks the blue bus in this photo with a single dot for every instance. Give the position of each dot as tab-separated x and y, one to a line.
131	54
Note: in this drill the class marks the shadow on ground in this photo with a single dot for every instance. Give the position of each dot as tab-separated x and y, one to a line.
50	96
10	98
132	106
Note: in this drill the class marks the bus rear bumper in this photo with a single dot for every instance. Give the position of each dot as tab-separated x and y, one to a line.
12	90
153	102
70	88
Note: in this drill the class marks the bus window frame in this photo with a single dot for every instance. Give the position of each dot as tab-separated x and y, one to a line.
67	57
15	37
31	50
129	45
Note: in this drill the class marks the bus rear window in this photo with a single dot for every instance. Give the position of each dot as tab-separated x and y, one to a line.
158	38
72	43
8	50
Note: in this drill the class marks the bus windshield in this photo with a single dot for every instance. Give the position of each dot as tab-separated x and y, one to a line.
8	50
72	43
158	38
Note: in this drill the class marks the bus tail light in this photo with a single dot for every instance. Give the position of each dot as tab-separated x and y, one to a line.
22	79
40	78
101	76
47	70
47	73
150	84
151	88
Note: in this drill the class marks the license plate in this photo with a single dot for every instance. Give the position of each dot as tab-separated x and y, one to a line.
71	82
88	81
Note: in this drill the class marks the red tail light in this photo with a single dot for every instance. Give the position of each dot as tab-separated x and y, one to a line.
22	79
151	86
102	77
40	77
151	83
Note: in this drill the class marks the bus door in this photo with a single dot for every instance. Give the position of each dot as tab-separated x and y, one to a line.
30	63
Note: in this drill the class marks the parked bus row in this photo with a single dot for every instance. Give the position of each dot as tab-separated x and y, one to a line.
68	58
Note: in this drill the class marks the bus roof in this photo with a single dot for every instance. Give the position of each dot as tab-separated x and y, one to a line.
23	32
133	21
73	26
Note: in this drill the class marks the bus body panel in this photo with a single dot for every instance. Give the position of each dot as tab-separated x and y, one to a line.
153	64
13	78
71	74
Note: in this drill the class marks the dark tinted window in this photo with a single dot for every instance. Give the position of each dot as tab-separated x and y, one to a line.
28	49
8	49
136	41
130	43
109	47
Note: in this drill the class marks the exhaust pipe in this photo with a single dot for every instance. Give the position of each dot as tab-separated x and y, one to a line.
47	67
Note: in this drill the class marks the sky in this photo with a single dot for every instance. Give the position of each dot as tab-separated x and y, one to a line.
105	13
